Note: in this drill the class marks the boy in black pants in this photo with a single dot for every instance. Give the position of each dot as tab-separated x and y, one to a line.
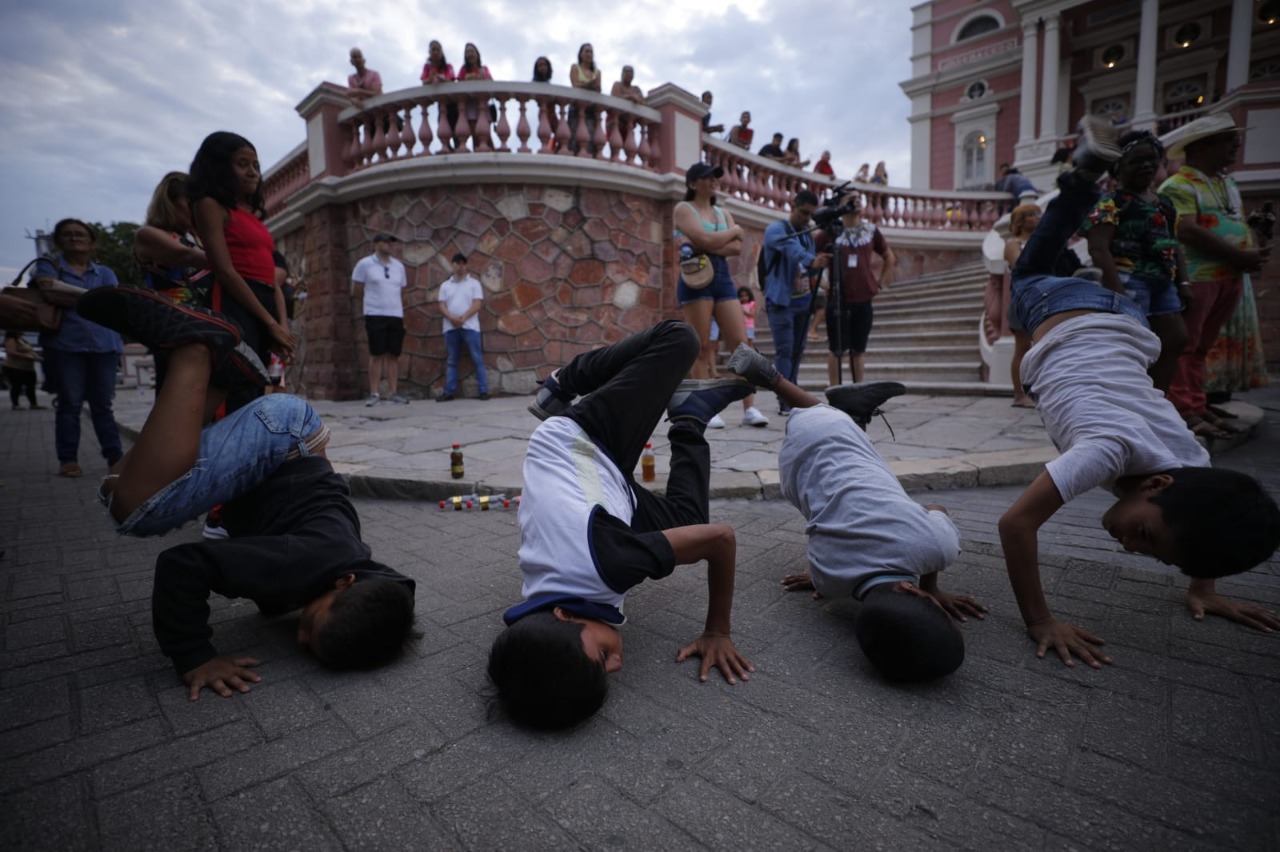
295	535
588	533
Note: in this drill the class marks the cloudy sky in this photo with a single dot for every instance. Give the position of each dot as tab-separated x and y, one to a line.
102	98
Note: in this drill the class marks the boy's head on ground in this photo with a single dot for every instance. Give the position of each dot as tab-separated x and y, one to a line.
550	667
1208	522
906	634
358	625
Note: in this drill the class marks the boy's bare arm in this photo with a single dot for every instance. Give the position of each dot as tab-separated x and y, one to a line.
1203	598
1018	536
716	544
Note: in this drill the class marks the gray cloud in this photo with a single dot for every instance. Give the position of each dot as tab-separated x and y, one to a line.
102	99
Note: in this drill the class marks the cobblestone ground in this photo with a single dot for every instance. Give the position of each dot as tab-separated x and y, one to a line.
1176	746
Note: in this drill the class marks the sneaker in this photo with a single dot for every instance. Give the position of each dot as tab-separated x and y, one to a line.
374	399
862	402
716	422
551	399
753	367
240	363
445	396
157	321
214	532
753	416
703	400
1097	148
484	397
397	399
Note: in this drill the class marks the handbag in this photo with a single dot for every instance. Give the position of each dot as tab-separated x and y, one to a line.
39	305
697	271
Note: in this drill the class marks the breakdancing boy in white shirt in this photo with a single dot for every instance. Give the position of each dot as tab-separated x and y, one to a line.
1087	369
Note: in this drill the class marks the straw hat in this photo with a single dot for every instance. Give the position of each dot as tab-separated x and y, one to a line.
1176	141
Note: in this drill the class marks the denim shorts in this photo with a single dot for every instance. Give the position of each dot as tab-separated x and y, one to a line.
1155	298
1037	297
237	454
720	288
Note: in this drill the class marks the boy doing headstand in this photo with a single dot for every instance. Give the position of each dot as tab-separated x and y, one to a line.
589	533
1087	368
867	538
295	537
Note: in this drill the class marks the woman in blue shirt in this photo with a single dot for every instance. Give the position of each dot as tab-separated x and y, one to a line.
81	357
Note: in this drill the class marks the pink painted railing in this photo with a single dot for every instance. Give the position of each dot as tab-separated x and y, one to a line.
483	117
285	178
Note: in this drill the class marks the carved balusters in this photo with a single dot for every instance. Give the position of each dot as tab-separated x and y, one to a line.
504	129
463	130
424	132
443	130
562	131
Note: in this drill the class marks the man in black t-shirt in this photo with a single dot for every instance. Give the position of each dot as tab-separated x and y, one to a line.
295	537
773	150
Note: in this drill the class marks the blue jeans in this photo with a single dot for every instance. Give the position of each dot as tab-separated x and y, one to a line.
237	454
790	327
453	340
1037	293
80	377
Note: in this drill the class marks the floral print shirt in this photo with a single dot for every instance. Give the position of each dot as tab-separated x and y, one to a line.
1215	203
1143	243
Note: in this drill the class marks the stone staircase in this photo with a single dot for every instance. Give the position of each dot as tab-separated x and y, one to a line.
925	336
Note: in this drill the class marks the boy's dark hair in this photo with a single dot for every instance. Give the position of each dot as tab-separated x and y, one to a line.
459	258
907	636
544	678
368	626
1222	521
210	175
805	196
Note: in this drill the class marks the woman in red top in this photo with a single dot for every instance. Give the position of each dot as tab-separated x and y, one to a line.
225	189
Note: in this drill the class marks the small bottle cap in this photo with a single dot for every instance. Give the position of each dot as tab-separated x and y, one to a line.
457	446
648	445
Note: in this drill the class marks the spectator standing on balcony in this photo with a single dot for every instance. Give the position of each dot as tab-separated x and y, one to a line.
864	174
379	281
881	175
773	150
823	166
461	298
707	126
741	133
849	326
791	156
703	227
473	69
788	257
438	70
365	83
542	70
1219	250
1016	184
1130	233
626	89
584	74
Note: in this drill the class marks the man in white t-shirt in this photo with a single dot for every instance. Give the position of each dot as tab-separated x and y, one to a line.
461	298
1087	369
379	280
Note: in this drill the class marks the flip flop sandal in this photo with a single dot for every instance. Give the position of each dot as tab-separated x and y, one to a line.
1222	412
1025	404
71	470
1204	429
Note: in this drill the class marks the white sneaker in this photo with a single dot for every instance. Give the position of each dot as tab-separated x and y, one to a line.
372	400
215	533
753	416
716	422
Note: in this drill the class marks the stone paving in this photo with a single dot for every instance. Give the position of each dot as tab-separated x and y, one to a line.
1176	746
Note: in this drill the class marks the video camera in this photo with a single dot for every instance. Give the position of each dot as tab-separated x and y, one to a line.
827	217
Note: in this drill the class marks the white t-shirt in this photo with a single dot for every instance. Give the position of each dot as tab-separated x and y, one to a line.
457	297
863	528
1099	406
382	285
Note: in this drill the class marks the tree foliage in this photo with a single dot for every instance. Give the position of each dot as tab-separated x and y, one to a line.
115	249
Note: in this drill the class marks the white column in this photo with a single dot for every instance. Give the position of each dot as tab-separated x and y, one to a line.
1049	83
1027	109
1144	95
1238	47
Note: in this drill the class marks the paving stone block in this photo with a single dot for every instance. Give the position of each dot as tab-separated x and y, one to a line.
170	814
271	759
54	815
381	815
176	755
273	816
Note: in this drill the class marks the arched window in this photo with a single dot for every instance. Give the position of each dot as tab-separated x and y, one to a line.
978	26
1268	69
1183	95
975	157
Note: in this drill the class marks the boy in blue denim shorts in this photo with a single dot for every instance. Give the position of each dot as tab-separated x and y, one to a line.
295	537
1087	369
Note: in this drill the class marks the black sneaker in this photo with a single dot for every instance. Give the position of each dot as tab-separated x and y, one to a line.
551	399
157	321
752	366
240	364
703	399
862	402
1097	148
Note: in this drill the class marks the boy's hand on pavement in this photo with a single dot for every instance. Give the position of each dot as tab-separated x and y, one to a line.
958	606
1200	603
801	582
1067	640
221	674
717	650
